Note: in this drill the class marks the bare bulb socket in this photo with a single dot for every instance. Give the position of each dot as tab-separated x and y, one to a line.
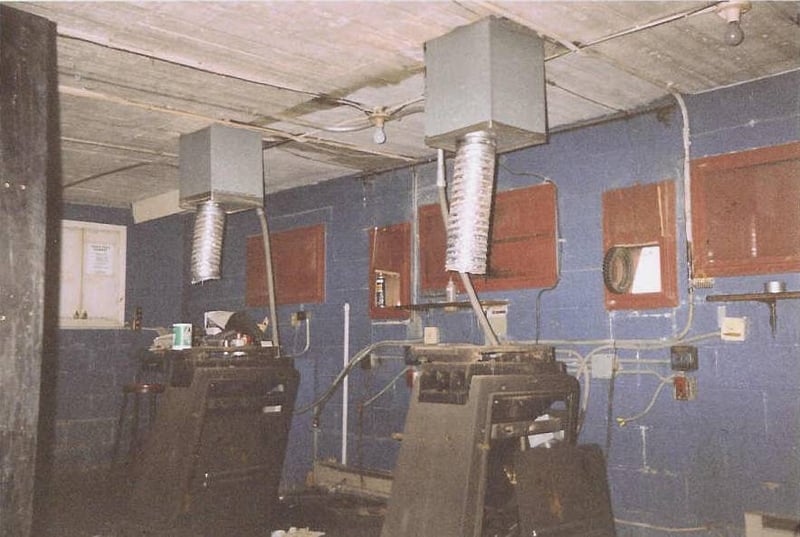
733	34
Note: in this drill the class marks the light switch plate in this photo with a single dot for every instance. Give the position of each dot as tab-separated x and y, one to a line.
498	319
430	335
733	329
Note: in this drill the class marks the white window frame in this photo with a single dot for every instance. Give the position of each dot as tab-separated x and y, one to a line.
92	281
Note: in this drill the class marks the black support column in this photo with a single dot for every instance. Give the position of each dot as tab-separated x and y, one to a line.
29	167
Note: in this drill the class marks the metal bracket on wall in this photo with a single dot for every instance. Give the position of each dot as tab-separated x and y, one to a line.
769	299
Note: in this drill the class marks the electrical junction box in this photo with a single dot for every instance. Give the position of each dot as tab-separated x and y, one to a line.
602	366
298	317
684	388
683	357
486	76
222	164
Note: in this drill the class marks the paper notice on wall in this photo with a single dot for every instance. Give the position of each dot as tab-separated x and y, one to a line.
99	259
647	275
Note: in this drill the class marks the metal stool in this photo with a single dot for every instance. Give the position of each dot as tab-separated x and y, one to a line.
137	390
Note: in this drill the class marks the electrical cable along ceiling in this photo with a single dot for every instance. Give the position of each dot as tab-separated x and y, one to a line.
324	82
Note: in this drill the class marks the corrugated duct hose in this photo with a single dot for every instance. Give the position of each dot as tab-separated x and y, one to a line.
467	226
209	227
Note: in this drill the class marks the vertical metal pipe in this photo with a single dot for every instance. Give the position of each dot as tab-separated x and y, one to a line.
345	386
687	184
273	309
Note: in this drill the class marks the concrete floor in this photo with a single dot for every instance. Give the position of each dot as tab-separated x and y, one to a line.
95	506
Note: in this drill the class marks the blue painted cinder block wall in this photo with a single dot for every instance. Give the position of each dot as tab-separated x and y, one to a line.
94	364
684	464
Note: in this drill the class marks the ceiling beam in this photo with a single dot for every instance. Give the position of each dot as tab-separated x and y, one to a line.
116	170
272	133
106	145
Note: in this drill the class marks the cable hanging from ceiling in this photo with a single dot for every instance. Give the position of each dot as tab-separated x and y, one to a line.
375	117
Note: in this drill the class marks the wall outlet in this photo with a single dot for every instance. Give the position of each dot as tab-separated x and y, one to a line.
298	317
733	329
602	366
430	335
498	319
683	357
684	388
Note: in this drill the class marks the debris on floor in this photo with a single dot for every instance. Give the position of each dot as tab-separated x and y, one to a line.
92	505
294	532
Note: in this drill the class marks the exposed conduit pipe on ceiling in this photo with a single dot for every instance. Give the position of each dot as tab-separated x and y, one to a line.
652	24
575	48
441	184
386	113
300	138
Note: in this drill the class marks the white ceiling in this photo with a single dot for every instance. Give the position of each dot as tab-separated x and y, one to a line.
133	76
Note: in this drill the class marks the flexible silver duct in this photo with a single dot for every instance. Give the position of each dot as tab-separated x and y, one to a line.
470	203
209	225
441	183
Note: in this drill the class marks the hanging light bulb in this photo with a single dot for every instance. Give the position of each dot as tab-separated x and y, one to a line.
379	134
732	11
378	117
733	34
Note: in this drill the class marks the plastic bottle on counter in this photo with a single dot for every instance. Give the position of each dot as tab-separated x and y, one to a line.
380	290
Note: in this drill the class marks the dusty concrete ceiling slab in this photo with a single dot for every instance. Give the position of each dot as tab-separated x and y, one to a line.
134	76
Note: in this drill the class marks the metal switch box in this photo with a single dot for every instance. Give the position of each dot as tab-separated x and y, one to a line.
683	357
